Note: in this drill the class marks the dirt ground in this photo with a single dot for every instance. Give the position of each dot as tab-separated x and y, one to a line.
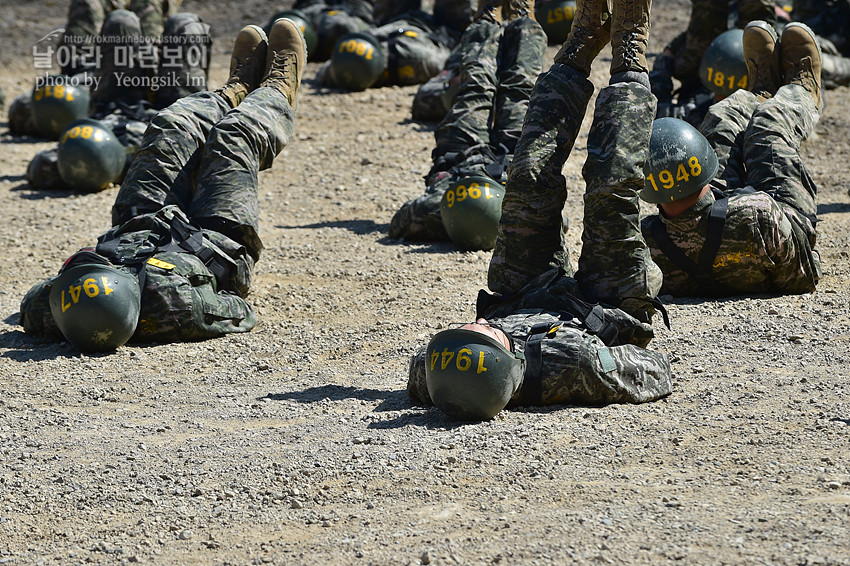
297	444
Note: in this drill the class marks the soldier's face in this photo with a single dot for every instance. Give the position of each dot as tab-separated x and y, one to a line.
481	325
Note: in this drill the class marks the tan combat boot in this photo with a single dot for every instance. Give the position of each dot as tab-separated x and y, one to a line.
800	59
591	31
247	62
514	9
629	36
760	54
490	10
286	59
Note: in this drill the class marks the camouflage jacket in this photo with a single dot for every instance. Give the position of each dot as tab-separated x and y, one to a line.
767	247
182	298
577	365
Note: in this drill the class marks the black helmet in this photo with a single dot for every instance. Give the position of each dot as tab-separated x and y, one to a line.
95	306
556	18
89	156
723	69
304	24
357	61
470	209
471	376
680	162
54	106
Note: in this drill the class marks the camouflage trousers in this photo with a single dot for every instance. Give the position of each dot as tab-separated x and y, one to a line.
758	144
710	18
205	157
86	18
531	238
434	98
498	68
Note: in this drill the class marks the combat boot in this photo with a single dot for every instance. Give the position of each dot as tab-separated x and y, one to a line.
629	36
801	60
591	31
247	63
514	9
490	10
760	54
286	59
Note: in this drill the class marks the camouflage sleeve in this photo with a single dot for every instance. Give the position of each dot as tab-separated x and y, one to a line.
578	368
419	219
417	387
36	317
181	302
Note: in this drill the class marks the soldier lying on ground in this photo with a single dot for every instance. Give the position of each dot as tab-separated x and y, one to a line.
476	139
536	340
737	210
177	263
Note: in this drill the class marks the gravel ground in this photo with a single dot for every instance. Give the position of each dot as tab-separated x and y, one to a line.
297	444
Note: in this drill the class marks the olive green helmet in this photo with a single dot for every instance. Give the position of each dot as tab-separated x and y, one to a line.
357	61
470	209
680	162
95	306
90	157
723	69
304	24
56	106
471	376
556	18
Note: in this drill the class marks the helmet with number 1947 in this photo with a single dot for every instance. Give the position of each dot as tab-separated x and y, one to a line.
95	306
471	208
680	162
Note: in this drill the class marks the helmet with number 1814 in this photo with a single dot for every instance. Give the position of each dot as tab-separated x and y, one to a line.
680	161
723	69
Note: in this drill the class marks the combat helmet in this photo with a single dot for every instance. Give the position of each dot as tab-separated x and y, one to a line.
723	69
680	162
95	305
556	18
357	61
54	106
471	376
304	24
89	156
470	209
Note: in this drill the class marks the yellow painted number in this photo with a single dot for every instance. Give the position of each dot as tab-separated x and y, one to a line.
683	174
560	14
361	48
473	191
721	80
90	287
53	91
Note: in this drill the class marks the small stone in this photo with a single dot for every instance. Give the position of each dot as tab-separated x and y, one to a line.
186	534
425	558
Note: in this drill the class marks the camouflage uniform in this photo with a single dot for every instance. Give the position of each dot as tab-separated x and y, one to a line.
769	236
415	48
125	109
334	18
199	160
480	132
578	364
710	18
